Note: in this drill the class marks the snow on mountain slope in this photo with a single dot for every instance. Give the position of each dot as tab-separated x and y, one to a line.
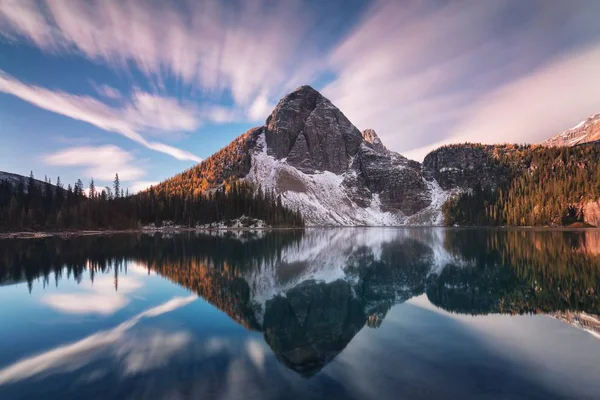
585	132
311	155
15	179
327	255
323	200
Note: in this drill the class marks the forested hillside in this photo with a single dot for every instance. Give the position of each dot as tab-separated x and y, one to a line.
30	206
225	166
545	186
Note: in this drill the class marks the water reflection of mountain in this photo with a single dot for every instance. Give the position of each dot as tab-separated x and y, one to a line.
311	292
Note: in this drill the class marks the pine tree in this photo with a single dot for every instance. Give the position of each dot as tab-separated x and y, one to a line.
117	185
31	184
79	188
92	189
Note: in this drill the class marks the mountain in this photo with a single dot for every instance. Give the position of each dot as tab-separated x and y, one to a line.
311	156
585	132
308	165
520	185
15	179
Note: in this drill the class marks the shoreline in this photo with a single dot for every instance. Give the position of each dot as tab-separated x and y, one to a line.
76	233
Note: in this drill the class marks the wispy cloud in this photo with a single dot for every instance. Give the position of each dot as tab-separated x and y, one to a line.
152	351
101	162
145	111
107	91
538	105
423	73
418	72
246	48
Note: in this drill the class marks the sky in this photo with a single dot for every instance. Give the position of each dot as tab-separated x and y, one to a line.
147	88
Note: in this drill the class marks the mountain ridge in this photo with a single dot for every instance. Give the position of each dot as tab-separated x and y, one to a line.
316	161
309	166
310	155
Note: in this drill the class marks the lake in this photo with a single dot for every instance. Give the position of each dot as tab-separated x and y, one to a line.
373	313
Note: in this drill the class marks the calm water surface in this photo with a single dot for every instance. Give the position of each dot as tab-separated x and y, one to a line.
338	313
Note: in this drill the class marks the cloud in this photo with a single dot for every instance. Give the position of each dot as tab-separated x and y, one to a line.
140	186
101	298
531	109
534	107
154	350
418	72
76	355
101	162
260	108
85	303
256	352
149	111
107	91
425	73
145	112
245	48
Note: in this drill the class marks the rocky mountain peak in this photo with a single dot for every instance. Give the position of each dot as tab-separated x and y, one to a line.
311	133
586	131
370	136
320	164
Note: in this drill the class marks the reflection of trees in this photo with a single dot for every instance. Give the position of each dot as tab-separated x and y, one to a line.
520	272
309	322
509	271
27	260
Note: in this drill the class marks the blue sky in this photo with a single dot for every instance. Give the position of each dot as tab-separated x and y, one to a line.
149	88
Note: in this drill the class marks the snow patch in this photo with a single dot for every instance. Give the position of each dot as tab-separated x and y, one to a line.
242	222
323	200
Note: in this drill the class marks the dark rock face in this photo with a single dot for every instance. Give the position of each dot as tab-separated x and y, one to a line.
312	324
465	166
397	180
311	133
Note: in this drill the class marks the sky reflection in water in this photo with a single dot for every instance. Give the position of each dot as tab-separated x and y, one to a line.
355	313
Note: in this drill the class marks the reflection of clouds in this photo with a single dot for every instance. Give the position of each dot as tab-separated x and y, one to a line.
86	303
73	356
136	268
256	352
215	345
150	352
243	375
101	298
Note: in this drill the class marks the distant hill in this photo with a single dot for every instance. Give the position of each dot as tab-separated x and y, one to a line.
15	179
